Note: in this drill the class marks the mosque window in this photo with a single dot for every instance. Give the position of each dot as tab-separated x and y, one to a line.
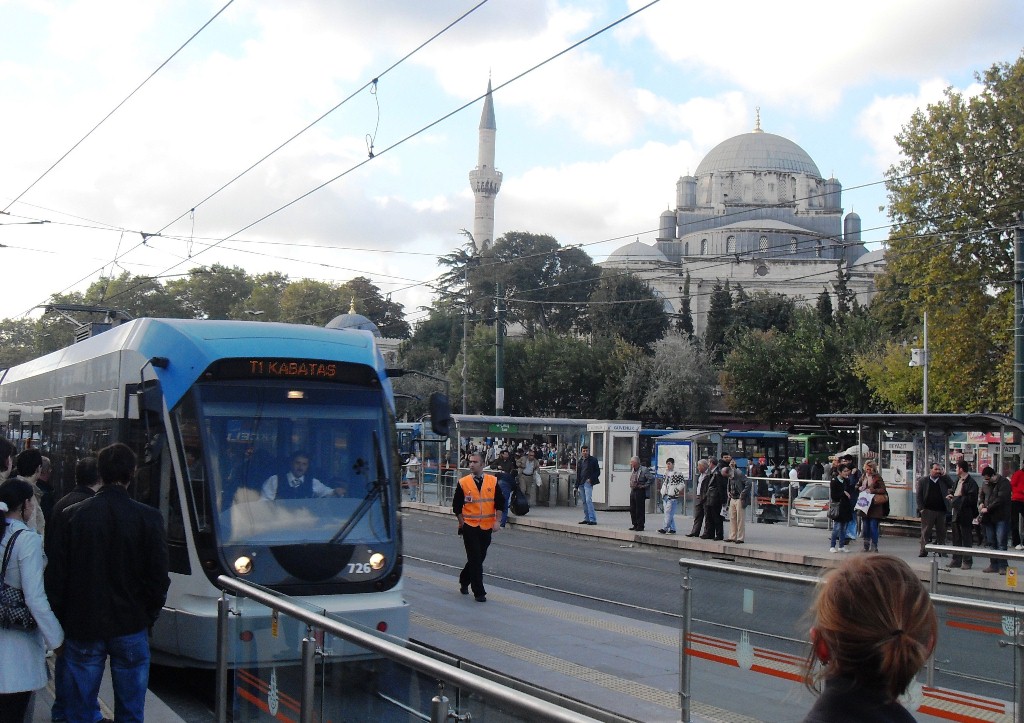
730	245
703	247
762	244
794	247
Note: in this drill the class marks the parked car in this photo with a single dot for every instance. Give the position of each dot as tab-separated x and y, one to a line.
810	507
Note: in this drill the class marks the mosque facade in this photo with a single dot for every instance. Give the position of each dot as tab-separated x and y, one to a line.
758	214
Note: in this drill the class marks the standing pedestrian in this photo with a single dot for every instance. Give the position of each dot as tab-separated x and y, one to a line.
700	490
964	502
476	503
1017	506
639	479
672	488
86	483
839	495
994	506
108	582
588	474
716	499
739	496
873	484
23	652
933	505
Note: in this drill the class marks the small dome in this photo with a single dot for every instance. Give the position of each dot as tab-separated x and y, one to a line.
668	213
758	151
353	321
636	253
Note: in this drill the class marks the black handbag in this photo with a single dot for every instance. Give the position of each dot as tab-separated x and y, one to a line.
14	613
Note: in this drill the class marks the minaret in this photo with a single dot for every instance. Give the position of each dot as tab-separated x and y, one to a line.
484	179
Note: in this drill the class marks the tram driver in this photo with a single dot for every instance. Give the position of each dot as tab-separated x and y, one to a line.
298	483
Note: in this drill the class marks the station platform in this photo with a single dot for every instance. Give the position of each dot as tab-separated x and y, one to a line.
776	546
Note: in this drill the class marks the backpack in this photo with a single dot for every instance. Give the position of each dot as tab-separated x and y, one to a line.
520	503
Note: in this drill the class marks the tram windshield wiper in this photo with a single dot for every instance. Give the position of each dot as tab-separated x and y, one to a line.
379	489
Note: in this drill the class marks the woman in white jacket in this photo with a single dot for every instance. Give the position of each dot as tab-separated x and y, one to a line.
23	653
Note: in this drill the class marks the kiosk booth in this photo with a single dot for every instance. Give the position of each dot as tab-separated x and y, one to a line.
613	444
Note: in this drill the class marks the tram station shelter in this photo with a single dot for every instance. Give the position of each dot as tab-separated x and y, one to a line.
907	444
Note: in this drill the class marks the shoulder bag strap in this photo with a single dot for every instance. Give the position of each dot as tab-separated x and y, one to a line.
7	555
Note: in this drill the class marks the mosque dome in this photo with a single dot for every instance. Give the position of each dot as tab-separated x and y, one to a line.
352	320
636	253
757	151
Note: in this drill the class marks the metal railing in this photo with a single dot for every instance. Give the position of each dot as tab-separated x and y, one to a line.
1016	612
531	707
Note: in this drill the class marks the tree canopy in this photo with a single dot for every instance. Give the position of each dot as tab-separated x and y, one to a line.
623	305
953	197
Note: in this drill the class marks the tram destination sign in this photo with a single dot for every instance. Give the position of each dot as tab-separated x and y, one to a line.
292	369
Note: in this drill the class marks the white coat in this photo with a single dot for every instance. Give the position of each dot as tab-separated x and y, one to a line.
23	654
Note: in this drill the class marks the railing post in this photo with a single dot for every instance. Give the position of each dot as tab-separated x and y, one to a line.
684	659
439	707
223	608
308	676
1018	659
933	586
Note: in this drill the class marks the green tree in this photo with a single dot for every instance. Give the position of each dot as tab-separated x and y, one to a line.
211	292
675	383
763	310
685	323
19	341
388	315
312	302
719	321
264	303
953	197
625	306
824	307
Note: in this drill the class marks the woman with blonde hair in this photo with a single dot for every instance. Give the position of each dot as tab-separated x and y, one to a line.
878	509
873	627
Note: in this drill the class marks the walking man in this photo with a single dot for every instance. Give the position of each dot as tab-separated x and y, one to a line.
477	504
588	474
107	585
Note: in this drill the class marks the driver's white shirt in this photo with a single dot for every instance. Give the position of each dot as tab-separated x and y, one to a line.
270	487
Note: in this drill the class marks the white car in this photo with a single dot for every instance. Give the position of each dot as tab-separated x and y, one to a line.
810	507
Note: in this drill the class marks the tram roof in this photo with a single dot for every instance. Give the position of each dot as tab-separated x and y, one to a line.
194	344
978	422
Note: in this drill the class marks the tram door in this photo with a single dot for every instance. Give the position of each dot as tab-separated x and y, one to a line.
614	444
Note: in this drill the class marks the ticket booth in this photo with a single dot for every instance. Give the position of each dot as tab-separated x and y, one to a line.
613	444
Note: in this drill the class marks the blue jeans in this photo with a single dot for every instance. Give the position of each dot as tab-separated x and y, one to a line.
670	512
588	502
61	688
129	672
871	531
996	534
839	530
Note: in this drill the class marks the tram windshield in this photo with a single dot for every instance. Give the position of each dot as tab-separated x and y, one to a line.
286	463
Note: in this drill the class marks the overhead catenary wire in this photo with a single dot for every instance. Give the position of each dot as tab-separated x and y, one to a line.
118	106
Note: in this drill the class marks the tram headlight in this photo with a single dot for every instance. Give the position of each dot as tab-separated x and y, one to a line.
376	561
243	565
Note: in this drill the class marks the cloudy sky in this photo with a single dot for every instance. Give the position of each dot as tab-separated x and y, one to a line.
590	144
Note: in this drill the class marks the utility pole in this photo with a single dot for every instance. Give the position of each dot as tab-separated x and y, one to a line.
1018	318
499	353
465	347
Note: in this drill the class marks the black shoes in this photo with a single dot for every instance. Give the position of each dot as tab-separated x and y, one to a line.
464	589
584	522
592	523
662	532
691	534
671	532
922	554
481	598
632	528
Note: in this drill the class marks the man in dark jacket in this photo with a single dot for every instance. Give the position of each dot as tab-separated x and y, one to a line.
87	481
700	490
716	497
964	501
107	583
588	474
639	479
933	504
995	514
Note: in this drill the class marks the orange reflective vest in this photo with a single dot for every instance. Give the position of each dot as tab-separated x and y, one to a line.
478	504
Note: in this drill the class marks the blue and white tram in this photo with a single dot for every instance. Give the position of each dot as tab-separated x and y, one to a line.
214	409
